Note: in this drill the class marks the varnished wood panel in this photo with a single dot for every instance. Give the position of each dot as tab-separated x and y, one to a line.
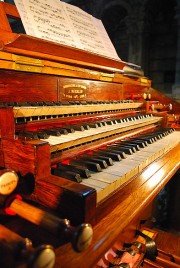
7	128
23	87
25	157
69	199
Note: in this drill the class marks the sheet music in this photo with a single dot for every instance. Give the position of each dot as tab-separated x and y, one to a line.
25	21
49	21
106	40
63	23
85	30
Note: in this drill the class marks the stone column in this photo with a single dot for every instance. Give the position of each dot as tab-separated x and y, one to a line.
135	29
176	86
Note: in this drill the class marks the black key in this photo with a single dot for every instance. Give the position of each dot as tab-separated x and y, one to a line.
49	103
114	121
70	175
22	104
158	137
28	134
89	102
103	123
108	160
121	150
100	124
86	126
77	102
75	127
109	122
65	103
132	147
93	125
83	102
72	102
52	132
85	163
35	103
140	144
110	153
121	145
57	103
145	143
117	120
41	103
83	172
69	129
95	159
153	137
165	133
61	130
131	144
42	135
126	119
148	140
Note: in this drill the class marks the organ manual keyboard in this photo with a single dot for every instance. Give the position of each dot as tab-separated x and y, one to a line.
84	130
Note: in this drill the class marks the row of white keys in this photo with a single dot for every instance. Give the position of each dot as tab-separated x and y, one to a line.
121	172
53	140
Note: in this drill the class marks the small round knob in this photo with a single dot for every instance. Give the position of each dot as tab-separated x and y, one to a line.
8	181
43	256
82	237
144	96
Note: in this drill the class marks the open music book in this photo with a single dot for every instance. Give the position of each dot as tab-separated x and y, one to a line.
66	24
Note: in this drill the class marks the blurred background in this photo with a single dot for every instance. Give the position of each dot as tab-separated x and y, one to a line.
144	32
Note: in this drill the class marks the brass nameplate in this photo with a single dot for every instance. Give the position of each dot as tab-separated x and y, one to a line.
74	91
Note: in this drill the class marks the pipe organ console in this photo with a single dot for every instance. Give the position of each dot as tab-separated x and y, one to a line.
90	143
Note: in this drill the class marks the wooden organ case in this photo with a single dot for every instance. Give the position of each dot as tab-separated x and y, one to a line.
63	114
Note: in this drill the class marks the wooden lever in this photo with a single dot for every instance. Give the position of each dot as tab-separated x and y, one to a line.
16	251
79	236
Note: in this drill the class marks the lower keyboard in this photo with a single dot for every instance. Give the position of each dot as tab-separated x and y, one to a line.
113	177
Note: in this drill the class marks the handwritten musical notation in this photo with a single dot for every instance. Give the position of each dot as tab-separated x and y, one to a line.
66	24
